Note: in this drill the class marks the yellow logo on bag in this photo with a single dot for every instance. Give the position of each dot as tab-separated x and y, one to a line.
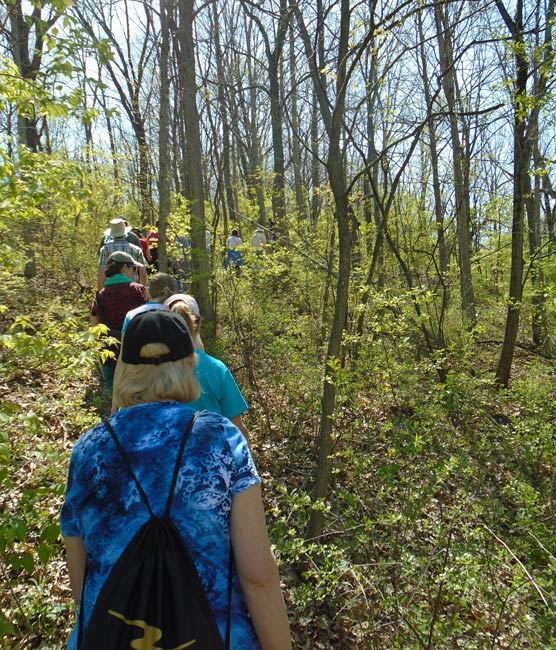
152	635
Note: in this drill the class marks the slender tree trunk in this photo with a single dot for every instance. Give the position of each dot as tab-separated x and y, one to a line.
229	199
299	188
275	93
274	56
253	170
336	174
434	157
539	319
522	156
372	210
316	196
461	177
549	210
199	257
166	10
110	131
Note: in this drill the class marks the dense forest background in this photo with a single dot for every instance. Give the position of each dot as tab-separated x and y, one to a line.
396	340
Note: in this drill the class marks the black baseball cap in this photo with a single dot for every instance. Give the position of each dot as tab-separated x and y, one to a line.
156	326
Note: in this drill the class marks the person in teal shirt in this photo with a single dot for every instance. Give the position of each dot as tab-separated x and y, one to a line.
219	390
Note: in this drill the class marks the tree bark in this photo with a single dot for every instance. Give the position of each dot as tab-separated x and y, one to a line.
522	156
460	166
166	10
193	162
336	175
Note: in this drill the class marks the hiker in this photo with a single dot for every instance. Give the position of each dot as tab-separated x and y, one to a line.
142	242
219	391
217	500
234	257
193	306
131	236
258	240
152	240
118	231
119	295
159	287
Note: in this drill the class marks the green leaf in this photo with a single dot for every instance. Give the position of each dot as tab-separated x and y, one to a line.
50	533
22	561
5	626
45	552
17	531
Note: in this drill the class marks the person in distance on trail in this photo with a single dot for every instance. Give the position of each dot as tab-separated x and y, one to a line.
217	499
131	236
152	240
258	240
234	257
179	259
118	231
142	242
234	240
219	391
119	295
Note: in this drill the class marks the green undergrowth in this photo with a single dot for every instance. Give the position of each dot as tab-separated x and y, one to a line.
439	526
441	512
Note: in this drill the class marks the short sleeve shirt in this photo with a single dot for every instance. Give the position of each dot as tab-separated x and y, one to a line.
120	245
103	507
219	391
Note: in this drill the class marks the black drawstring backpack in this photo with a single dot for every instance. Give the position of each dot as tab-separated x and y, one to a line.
153	598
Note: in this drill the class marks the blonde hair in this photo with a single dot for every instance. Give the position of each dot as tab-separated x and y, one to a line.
192	321
144	383
161	286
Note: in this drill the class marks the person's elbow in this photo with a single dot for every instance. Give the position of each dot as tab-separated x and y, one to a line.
260	576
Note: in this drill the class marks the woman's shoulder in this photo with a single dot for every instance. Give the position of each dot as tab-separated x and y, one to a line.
210	361
92	440
138	289
214	425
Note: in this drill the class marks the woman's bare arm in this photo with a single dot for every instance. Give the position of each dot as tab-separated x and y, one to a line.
76	557
258	572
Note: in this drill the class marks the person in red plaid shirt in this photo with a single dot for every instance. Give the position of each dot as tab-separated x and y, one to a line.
119	295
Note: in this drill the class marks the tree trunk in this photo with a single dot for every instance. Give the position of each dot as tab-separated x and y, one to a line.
434	157
336	174
461	177
522	156
199	257
28	58
274	56
166	10
299	189
229	199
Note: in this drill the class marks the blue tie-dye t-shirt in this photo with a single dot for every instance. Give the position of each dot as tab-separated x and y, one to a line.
104	508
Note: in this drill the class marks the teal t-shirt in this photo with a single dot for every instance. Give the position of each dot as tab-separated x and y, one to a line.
219	391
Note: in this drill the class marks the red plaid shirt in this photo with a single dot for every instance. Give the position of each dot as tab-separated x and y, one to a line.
116	300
